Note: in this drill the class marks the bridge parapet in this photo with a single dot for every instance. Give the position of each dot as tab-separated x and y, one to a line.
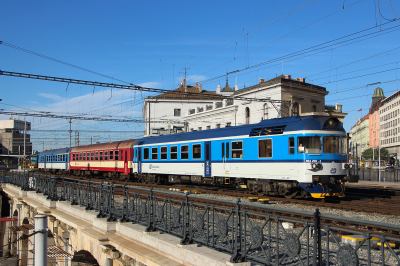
115	221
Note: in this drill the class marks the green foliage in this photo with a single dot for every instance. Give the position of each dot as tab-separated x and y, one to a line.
367	154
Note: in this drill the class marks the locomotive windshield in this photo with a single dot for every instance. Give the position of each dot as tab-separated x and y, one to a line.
331	144
309	144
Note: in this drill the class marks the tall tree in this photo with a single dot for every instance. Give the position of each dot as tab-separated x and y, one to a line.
367	154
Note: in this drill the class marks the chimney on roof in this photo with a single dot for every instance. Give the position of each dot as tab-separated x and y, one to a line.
287	76
201	88
236	87
260	81
301	79
218	89
197	84
184	82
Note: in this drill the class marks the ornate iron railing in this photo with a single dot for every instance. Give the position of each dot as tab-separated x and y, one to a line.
223	225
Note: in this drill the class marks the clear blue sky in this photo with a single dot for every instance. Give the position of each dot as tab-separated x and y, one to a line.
334	44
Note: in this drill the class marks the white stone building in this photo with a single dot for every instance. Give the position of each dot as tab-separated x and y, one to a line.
201	110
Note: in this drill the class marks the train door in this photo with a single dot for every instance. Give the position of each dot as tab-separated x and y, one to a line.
126	171
137	161
207	159
134	160
227	164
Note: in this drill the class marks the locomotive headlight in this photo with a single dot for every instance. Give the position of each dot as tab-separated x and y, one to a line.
319	166
313	166
346	166
350	166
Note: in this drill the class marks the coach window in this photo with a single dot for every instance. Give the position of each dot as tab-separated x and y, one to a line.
174	152
116	155
164	153
196	151
84	156
223	150
92	156
96	156
121	158
111	155
154	153
291	145
63	157
145	153
227	150
106	156
88	156
237	149
101	156
184	152
265	148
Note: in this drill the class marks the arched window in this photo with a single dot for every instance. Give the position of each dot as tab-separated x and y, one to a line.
296	109
265	111
314	108
247	115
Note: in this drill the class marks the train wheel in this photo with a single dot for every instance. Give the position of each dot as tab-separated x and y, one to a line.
290	195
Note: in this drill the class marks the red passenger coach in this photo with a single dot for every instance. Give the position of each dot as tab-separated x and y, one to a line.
112	159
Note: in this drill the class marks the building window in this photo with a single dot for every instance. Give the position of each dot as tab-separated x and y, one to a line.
247	115
177	112
218	126
228	124
265	111
296	109
314	108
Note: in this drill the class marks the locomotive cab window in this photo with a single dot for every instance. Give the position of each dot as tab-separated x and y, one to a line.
265	148
331	144
164	153
174	152
237	149
184	152
310	144
154	153
145	154
196	151
291	145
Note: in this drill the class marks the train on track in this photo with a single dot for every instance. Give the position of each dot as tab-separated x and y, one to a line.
298	156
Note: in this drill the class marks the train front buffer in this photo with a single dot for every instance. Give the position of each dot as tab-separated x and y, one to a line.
328	179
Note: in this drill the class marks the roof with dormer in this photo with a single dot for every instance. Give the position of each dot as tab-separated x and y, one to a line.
191	92
227	88
278	80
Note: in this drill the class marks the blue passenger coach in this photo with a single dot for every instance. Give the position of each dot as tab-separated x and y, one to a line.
54	160
295	157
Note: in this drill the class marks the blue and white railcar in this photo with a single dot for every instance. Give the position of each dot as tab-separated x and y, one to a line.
294	157
54	160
